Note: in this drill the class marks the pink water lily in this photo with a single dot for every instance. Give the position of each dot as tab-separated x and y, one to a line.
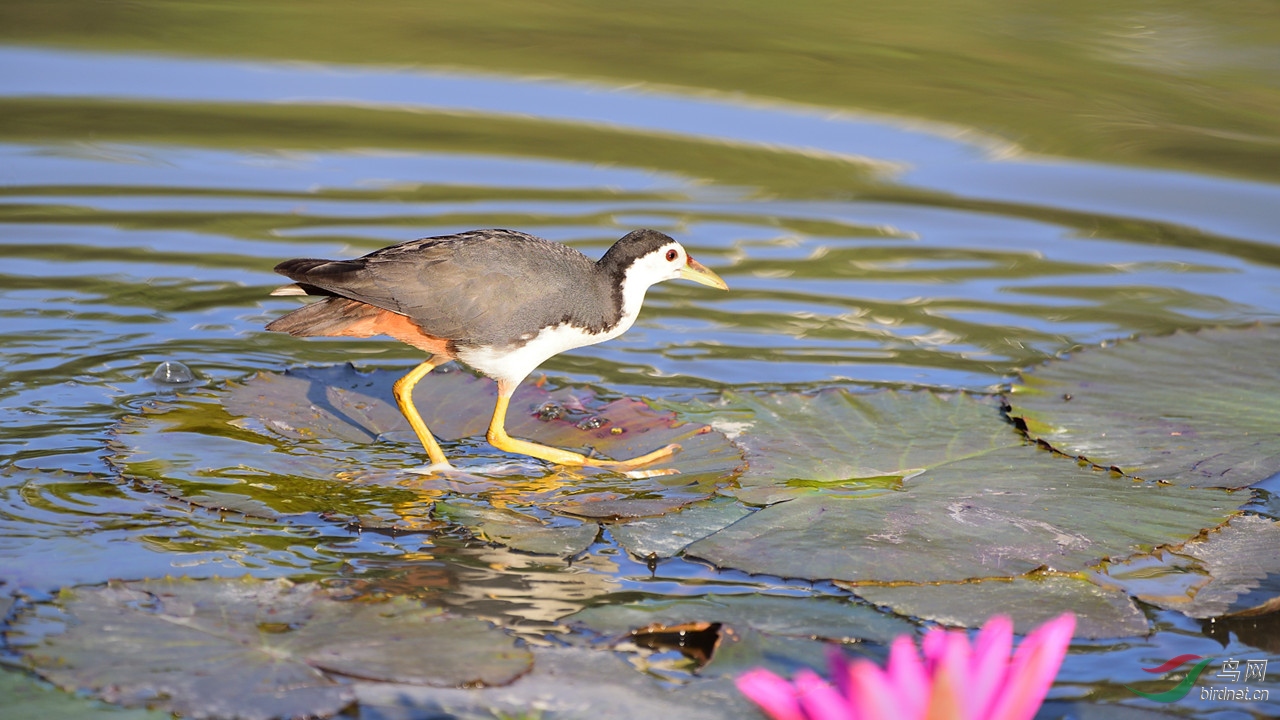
952	681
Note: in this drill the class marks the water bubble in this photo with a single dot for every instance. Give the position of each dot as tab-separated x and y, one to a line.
550	411
172	372
592	423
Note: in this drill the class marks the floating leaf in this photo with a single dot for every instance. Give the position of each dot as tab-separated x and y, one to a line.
330	442
840	440
1030	601
984	505
193	451
26	698
1198	408
341	402
827	618
731	634
1233	570
743	648
568	682
254	649
666	535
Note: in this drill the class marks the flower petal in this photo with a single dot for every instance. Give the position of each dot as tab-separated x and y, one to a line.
819	700
946	696
874	696
950	696
933	645
776	696
1035	665
990	663
838	669
906	674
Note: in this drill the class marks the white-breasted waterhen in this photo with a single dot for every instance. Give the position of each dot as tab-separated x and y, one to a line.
500	301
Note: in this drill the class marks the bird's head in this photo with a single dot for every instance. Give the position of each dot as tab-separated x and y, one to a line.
645	257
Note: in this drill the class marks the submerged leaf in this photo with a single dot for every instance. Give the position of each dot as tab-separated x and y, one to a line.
253	649
1198	408
521	532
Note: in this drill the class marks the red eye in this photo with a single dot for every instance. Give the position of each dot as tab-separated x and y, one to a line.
672	255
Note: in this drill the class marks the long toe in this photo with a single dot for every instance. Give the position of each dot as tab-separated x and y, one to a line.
638	462
652	472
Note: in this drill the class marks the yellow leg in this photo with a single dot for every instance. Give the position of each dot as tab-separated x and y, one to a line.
499	438
404	398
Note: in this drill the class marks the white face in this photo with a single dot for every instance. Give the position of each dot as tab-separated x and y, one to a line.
665	263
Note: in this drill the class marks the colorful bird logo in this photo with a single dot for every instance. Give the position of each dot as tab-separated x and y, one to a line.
1179	691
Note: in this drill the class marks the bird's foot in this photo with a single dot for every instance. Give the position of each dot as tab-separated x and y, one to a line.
655	472
629	467
432	469
498	437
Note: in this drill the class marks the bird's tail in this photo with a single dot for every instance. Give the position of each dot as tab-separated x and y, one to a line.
331	316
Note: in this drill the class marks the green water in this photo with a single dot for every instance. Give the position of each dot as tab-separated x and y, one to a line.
899	195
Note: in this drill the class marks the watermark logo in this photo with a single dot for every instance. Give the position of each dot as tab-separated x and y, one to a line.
1179	691
1230	672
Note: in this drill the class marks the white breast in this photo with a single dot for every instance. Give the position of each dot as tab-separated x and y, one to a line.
512	365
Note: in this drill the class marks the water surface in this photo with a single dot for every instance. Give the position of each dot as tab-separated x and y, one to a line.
876	232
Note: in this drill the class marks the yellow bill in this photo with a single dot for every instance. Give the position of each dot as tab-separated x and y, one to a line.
697	272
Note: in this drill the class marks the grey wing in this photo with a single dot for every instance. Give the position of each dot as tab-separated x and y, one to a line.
480	287
493	292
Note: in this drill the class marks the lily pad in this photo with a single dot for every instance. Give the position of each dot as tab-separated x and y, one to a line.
826	618
666	535
730	634
1191	408
1231	571
979	503
838	440
1030	601
743	648
343	403
254	649
26	698
566	682
195	452
330	442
